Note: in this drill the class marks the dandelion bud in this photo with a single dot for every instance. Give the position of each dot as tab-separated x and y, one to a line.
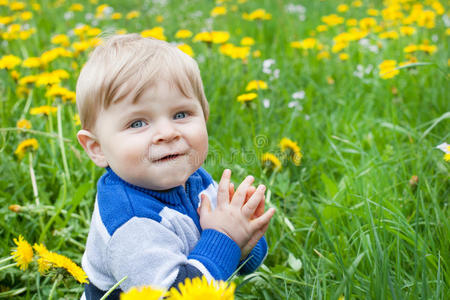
14	208
414	181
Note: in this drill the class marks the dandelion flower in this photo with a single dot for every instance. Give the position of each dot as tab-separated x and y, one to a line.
246	97
218	10
292	149
156	32
343	56
24	146
144	293
23	123
183	33
247	41
199	288
132	15
9	61
23	253
48	259
186	49
256	85
45	109
271	161
444	147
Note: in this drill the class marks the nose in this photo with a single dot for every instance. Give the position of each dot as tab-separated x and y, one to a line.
165	131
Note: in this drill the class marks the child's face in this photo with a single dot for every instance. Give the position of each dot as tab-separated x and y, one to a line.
156	142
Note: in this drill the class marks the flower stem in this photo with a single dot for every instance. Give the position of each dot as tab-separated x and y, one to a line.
50	296
113	288
6	259
33	178
61	142
8	266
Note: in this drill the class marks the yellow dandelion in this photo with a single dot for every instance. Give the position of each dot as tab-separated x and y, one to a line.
216	37
258	14
218	10
77	119
60	39
132	15
388	69
76	7
256	85
23	253
247	97
247	41
292	149
43	110
344	56
116	16
199	288
323	55
23	123
144	293
16	5
43	265
186	49
447	157
342	8
14	75
26	15
32	62
26	145
59	91
156	32
271	161
48	259
183	33
9	61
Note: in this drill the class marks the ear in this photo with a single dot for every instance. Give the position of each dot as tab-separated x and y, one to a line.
92	147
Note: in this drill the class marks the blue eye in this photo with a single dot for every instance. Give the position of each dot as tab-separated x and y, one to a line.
137	124
180	115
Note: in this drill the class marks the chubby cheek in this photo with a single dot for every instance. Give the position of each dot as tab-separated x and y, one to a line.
200	146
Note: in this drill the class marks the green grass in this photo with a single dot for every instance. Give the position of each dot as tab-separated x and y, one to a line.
348	213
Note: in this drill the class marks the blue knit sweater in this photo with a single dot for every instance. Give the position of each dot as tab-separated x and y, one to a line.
155	238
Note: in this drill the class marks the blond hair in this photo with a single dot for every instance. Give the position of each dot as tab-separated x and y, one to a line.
129	63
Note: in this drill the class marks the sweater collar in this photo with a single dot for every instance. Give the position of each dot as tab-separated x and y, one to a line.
171	196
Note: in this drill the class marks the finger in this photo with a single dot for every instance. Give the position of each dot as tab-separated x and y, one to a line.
241	192
248	209
251	190
263	220
205	205
260	209
223	196
231	191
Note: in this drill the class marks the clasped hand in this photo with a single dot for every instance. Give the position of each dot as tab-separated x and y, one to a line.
239	214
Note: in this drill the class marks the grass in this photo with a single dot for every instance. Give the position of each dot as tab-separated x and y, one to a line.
351	222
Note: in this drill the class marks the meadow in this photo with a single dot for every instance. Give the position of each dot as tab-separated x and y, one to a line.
337	106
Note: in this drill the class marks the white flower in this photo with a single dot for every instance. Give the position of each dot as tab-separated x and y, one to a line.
89	16
268	62
444	148
276	73
299	95
266	103
434	38
373	48
295	105
68	15
292	8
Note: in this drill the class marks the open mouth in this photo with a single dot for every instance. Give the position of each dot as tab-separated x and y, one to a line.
168	158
